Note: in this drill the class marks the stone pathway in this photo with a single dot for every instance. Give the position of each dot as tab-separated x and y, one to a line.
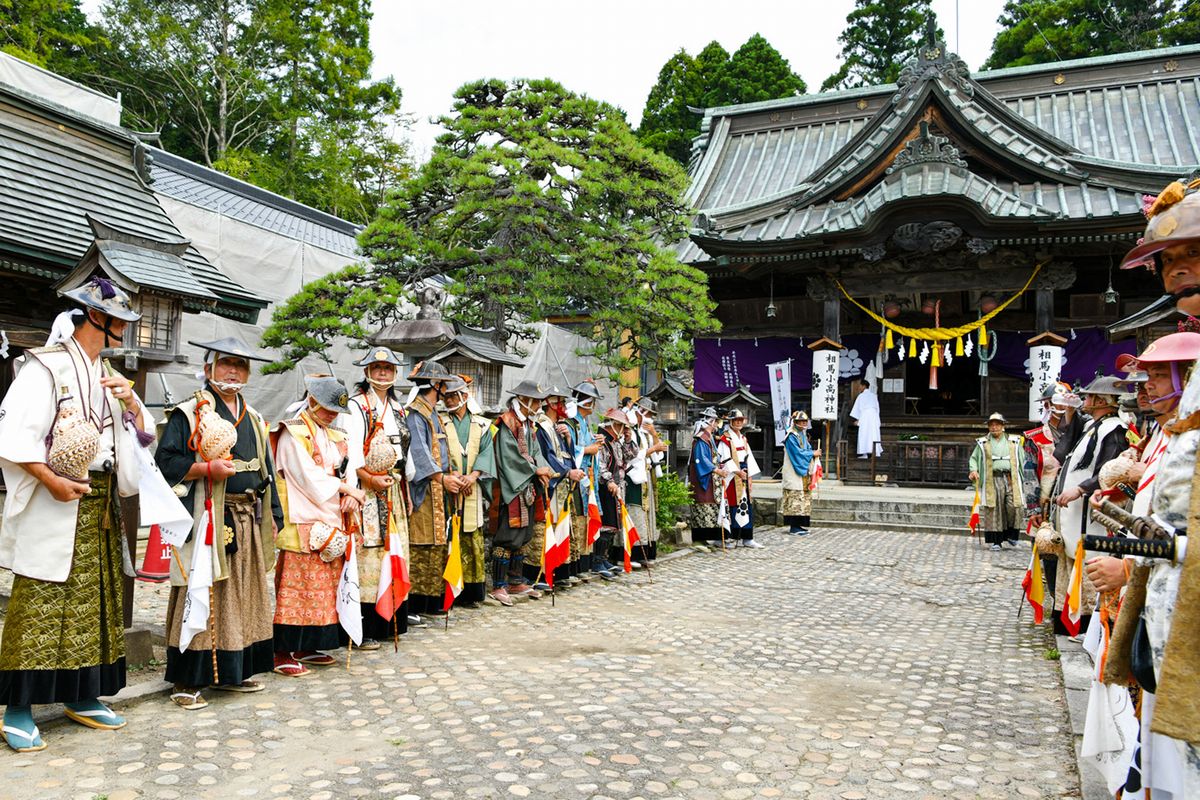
848	664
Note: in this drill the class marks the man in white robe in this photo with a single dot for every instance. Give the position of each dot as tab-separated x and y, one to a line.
865	414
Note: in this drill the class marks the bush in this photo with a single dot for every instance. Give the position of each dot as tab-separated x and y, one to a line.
671	493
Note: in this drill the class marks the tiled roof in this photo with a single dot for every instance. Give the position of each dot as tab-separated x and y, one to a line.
1033	201
196	185
1068	141
153	269
56	168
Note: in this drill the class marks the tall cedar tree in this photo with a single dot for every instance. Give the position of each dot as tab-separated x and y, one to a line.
757	72
712	78
668	124
880	37
1040	31
276	92
539	202
54	34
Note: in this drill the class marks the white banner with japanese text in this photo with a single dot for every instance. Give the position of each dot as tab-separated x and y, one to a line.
779	375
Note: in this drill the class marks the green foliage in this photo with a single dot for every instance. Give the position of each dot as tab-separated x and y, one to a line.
668	125
672	492
1040	31
276	92
757	72
539	202
336	306
880	37
1052	654
712	78
53	34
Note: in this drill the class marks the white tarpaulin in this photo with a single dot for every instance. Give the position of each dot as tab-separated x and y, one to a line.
554	360
269	264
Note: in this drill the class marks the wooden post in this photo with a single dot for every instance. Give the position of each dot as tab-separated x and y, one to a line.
832	328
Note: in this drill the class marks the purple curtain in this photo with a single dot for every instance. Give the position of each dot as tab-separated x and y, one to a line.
1086	350
723	363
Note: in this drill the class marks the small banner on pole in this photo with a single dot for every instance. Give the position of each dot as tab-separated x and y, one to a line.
825	384
779	375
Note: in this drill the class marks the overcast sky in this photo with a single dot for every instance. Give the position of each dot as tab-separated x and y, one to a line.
611	50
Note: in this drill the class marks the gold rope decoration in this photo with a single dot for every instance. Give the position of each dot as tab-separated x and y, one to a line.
944	334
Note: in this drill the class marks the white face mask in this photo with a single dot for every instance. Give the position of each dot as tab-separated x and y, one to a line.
462	402
228	388
381	384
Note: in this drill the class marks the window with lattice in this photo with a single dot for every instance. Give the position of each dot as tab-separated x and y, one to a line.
158	328
486	377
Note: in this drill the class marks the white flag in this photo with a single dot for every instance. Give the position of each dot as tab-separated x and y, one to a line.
349	595
158	504
199	580
779	376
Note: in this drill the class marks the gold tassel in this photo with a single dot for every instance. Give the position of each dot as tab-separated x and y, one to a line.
983	340
888	342
937	354
912	347
958	346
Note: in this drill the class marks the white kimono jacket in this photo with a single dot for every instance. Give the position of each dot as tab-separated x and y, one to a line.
37	533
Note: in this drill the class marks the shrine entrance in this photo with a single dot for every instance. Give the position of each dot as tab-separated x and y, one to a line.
959	392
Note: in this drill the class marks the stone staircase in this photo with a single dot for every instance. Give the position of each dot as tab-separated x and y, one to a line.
882	508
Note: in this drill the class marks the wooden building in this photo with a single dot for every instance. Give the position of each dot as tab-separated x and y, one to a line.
935	198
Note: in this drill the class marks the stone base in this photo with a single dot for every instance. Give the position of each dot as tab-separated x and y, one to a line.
139	646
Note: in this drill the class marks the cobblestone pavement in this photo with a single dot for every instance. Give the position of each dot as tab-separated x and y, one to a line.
849	664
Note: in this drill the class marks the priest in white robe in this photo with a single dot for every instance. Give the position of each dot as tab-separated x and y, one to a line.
865	414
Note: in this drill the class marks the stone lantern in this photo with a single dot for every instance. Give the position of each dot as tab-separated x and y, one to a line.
672	398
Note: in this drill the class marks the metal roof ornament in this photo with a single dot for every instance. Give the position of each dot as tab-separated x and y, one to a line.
932	61
927	147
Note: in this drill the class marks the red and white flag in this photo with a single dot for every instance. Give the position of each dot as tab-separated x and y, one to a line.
629	537
593	514
558	543
394	582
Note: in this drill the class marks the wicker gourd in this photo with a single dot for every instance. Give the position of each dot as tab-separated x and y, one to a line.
1121	469
327	540
1049	541
217	435
74	442
381	455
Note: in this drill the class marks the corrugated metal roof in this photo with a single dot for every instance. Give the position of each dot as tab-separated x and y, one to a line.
1033	201
761	153
151	268
55	169
196	185
1142	123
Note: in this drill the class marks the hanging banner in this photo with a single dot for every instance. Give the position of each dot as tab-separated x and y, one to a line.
825	384
1045	365
779	375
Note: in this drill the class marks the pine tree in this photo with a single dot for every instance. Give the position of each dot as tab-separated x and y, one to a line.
880	37
535	202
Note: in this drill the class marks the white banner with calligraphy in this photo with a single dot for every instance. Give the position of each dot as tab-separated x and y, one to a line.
825	384
779	376
1045	365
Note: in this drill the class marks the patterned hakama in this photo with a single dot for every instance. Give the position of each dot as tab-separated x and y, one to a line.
65	642
305	596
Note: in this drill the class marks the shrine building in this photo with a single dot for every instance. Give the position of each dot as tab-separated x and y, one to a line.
931	202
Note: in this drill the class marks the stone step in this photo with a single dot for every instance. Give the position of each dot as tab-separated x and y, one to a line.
949	517
893	509
892	527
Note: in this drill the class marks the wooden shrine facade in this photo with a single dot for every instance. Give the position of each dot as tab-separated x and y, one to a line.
939	195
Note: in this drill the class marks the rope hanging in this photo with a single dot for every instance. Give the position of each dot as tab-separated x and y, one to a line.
944	334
